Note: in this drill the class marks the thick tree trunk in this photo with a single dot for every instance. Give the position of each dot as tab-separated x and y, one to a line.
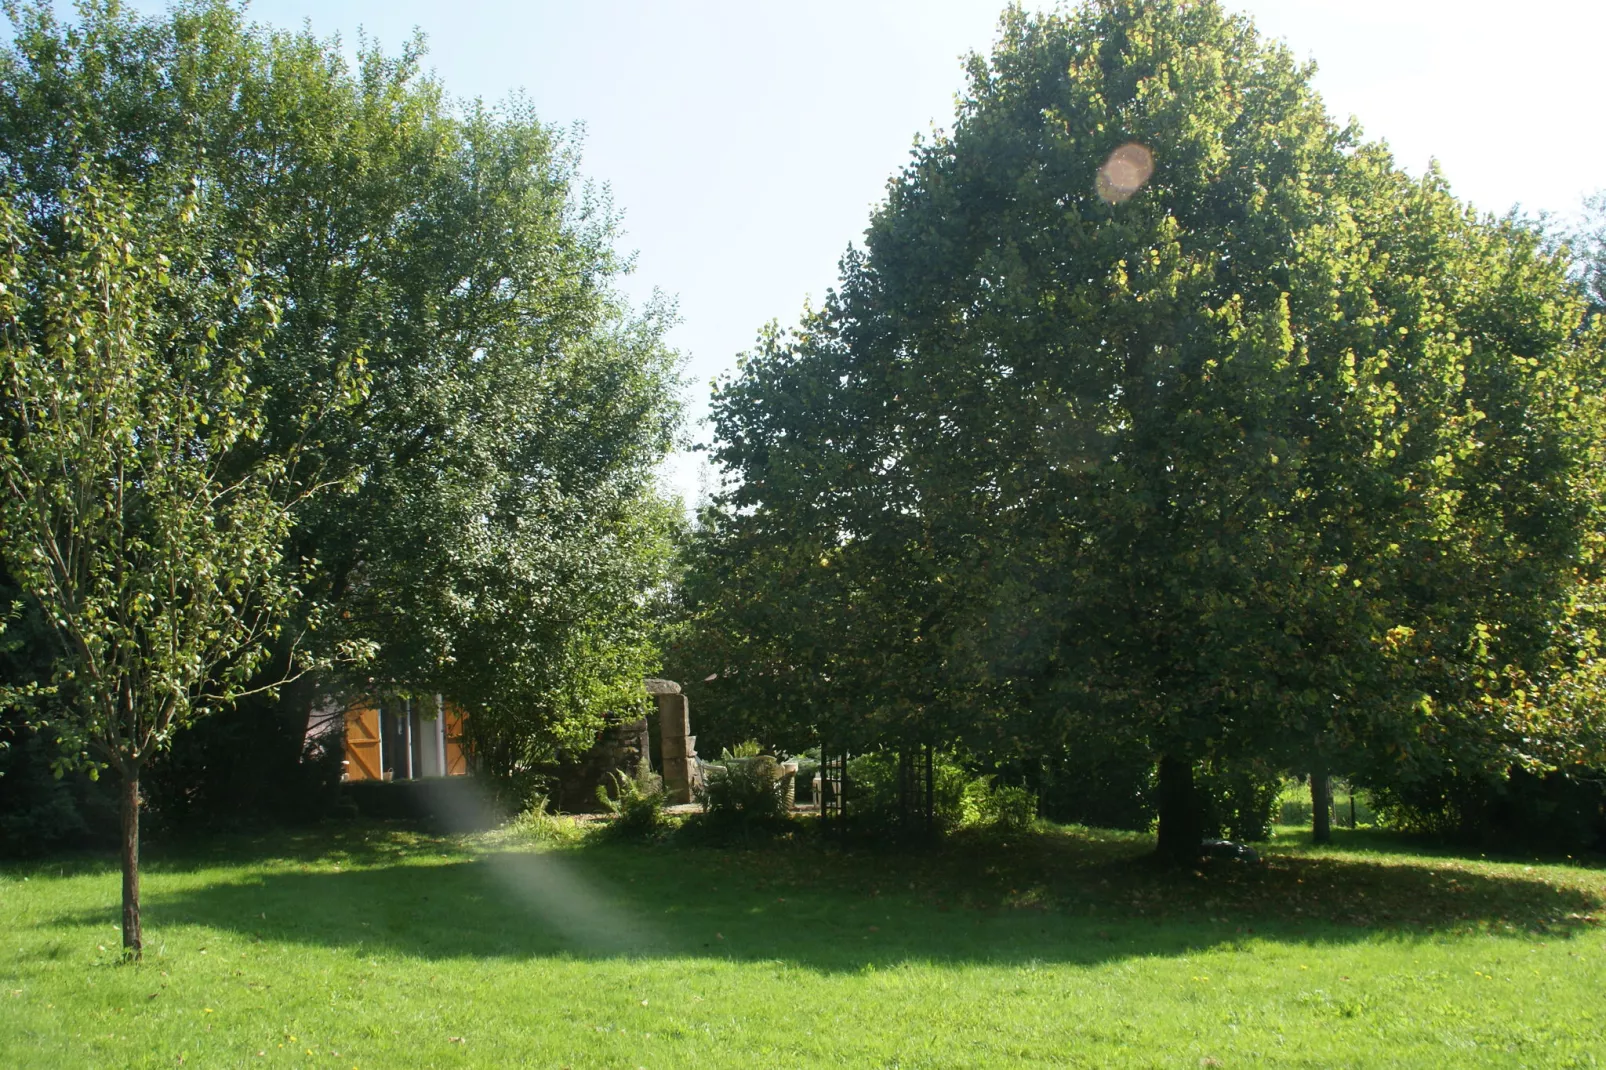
1181	823
1321	807
133	942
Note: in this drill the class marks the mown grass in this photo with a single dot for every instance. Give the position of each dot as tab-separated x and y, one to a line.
374	946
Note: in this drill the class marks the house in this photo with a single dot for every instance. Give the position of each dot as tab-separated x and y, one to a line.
403	738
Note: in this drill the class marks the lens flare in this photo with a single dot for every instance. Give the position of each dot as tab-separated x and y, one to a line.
557	895
1124	173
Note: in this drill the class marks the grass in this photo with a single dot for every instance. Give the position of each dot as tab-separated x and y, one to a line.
375	946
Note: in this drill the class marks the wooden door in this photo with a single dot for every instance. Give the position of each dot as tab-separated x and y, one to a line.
364	759
456	760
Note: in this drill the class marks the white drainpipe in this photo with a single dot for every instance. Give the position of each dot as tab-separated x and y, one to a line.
407	734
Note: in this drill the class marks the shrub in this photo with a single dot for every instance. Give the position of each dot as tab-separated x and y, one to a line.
1564	809
1239	800
248	765
960	799
637	804
808	764
745	789
1011	809
538	824
41	812
1096	783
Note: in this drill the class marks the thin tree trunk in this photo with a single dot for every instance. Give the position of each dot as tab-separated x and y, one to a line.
133	941
1321	807
1181	823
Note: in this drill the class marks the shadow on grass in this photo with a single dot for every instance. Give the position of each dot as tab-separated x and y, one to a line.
1055	897
1425	845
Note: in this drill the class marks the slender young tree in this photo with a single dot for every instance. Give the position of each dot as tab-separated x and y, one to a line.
135	504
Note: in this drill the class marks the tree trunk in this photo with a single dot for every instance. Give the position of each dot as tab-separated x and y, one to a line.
1321	807
1181	823
133	942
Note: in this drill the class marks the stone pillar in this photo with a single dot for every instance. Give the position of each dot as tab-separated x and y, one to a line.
679	746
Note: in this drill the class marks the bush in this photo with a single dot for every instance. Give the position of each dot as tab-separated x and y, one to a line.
538	824
1564	809
637	804
1096	784
442	804
960	799
1011	809
808	764
746	789
41	812
1239	800
246	765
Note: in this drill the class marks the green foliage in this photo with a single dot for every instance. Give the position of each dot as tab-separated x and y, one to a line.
1240	800
1285	456
452	346
1563	809
1095	784
41	812
250	764
138	510
537	824
746	749
1010	809
960	799
744	788
637	803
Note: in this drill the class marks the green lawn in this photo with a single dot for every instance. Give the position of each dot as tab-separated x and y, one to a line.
371	946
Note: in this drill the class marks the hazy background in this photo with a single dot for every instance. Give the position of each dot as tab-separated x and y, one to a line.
747	142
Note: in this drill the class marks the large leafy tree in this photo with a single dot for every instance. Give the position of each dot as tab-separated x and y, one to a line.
1160	408
503	531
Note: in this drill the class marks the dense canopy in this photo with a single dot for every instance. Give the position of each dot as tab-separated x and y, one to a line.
499	529
1161	410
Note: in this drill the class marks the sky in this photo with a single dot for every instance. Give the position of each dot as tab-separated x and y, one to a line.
746	143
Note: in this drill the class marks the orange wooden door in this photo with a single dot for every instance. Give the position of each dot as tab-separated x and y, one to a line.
363	759
456	760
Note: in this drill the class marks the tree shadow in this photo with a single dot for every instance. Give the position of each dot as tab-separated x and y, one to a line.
1426	844
364	843
1060	898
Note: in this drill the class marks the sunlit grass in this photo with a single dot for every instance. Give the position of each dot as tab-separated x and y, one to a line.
374	946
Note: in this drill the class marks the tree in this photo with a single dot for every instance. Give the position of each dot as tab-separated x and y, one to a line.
504	534
137	508
1160	408
1589	246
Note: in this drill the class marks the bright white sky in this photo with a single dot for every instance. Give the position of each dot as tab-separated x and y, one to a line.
746	142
